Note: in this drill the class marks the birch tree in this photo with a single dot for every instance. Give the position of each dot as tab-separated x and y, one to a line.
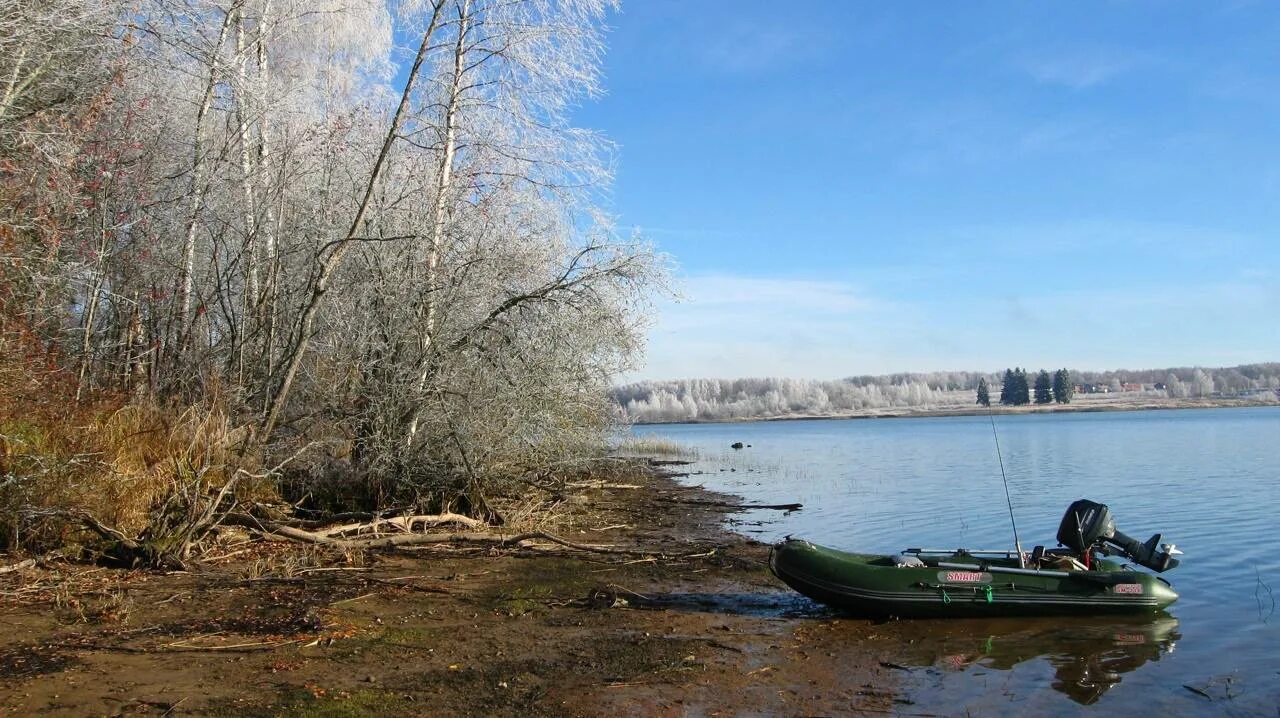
499	294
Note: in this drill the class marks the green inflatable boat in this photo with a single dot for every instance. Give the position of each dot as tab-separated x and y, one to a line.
1074	580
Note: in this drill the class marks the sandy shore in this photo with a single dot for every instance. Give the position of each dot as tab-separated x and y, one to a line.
702	629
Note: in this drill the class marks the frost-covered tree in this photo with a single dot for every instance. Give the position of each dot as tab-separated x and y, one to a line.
728	399
244	203
1201	384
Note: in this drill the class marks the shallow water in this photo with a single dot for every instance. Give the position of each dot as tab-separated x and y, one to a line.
1208	480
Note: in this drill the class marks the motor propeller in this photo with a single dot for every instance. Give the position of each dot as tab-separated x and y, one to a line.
1088	525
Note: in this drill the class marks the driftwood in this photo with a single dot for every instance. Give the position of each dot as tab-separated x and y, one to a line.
330	519
29	563
44	561
272	529
404	524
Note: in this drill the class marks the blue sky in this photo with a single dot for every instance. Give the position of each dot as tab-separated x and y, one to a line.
857	187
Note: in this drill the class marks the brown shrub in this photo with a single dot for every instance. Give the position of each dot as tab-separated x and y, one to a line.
124	464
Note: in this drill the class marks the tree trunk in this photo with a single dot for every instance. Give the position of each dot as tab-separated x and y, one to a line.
186	280
243	115
266	302
440	211
91	312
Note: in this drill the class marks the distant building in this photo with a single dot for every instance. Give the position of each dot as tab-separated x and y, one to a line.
1130	386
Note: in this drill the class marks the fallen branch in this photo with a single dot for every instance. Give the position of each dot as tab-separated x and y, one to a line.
1198	691
469	537
729	505
260	645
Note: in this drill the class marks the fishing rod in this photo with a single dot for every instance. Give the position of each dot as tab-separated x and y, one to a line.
1017	544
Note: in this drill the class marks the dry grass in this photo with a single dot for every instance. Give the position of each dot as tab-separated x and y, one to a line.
117	462
295	561
656	446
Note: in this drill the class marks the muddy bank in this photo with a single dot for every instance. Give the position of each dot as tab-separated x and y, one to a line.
692	625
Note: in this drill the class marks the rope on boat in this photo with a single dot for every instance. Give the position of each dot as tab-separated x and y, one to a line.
988	591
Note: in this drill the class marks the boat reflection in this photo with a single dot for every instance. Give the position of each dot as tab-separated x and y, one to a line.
1089	656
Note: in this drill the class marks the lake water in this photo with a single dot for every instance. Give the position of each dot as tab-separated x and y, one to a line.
1207	479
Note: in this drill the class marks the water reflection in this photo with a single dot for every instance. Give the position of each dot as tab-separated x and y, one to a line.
1088	656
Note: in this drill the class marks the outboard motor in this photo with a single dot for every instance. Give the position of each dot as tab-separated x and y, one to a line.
1088	525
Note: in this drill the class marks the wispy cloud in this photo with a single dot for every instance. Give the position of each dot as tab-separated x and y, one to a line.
1119	240
1067	136
747	48
1238	83
944	136
775	295
647	231
766	326
1081	68
728	325
1146	324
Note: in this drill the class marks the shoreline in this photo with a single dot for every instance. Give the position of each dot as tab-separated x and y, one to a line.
692	624
1079	406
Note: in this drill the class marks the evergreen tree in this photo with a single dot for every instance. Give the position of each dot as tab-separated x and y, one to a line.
1063	389
1021	390
984	394
1007	389
1044	388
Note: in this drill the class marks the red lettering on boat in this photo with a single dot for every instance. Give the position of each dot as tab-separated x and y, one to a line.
1128	588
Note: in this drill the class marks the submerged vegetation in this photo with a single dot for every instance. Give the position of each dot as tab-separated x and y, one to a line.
240	265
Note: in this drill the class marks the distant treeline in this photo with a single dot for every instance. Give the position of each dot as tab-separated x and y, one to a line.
726	399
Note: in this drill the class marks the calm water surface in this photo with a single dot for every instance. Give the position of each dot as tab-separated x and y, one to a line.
1209	480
